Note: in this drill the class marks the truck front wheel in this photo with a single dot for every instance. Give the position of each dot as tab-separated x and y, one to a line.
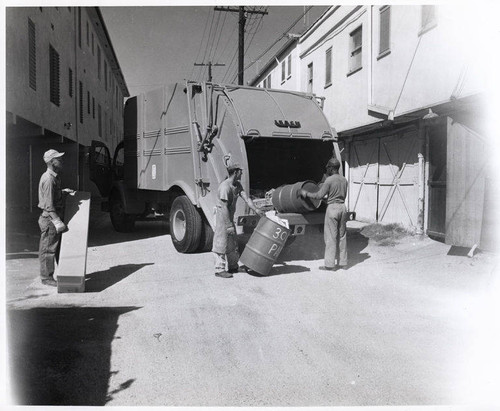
185	225
122	222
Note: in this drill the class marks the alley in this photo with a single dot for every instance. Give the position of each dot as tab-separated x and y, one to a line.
406	324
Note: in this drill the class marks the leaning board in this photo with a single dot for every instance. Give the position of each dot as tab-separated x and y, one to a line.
70	271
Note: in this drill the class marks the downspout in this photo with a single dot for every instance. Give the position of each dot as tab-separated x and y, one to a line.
77	90
370	65
422	138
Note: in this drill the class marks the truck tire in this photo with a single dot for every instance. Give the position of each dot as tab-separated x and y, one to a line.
207	237
185	225
121	221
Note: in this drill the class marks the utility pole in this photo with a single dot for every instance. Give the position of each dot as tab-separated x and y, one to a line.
210	64
242	12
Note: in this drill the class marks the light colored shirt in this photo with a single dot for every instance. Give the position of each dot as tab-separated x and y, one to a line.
336	188
229	193
49	192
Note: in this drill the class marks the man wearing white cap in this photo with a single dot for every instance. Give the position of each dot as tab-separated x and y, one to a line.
50	201
224	244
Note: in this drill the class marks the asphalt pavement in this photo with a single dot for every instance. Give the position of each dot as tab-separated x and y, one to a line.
412	323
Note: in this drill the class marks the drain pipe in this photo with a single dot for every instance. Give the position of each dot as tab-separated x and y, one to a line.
421	193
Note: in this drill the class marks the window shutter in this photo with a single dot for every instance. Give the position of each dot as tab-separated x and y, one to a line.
385	29
289	65
70	82
80	90
328	67
356	48
32	54
54	76
283	70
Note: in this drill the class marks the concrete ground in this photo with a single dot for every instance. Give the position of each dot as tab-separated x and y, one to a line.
414	323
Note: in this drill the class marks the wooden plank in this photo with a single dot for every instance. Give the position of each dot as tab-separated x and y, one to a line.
70	271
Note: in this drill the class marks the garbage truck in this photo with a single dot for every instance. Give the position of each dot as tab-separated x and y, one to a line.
178	139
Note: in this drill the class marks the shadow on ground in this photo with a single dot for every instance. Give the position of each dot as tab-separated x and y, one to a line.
281	269
100	280
61	356
312	247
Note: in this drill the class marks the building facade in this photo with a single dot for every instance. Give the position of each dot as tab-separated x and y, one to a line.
404	88
64	88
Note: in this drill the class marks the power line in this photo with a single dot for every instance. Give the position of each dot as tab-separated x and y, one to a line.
278	39
201	42
242	13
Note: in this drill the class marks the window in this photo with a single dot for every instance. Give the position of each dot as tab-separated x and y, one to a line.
105	76
98	62
80	94
429	20
32	54
70	82
283	71
328	67
54	76
355	50
384	44
289	62
267	82
92	43
310	78
99	120
88	102
88	34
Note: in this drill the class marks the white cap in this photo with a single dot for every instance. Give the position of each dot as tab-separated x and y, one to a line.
50	154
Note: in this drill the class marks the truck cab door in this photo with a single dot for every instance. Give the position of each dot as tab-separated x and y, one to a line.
101	172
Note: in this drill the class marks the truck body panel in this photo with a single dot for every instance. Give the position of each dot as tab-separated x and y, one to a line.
181	136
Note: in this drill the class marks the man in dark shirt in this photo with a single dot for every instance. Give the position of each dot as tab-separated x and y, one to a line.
335	186
50	201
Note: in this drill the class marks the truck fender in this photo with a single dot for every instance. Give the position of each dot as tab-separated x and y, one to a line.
188	191
131	204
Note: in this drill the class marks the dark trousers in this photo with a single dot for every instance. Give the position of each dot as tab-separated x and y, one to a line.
49	247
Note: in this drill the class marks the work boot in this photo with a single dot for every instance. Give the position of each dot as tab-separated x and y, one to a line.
50	282
240	269
325	268
224	274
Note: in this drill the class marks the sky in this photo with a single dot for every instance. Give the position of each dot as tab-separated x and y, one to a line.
160	44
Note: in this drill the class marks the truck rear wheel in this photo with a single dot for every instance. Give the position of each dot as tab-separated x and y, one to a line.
122	222
185	225
207	237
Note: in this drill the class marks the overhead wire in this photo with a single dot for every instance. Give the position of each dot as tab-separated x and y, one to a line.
259	23
278	39
252	22
201	43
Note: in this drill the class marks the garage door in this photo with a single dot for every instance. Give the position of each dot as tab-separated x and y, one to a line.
383	177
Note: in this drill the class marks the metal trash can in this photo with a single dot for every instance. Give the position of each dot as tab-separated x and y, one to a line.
286	198
264	246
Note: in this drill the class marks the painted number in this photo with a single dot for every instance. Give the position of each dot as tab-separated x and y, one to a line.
279	233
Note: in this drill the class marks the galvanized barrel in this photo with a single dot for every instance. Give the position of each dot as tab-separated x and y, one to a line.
286	198
264	246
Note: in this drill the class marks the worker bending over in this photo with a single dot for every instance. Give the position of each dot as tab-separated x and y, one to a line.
335	186
225	245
